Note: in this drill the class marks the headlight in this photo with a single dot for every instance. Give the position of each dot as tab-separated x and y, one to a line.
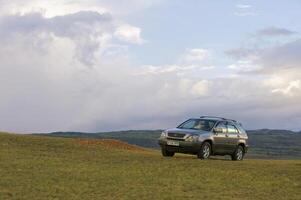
164	134
192	138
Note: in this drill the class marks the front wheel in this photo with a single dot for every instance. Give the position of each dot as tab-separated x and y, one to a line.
167	153
238	153
205	151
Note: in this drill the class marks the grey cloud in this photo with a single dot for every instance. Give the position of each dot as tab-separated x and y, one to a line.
274	31
72	25
242	52
278	67
84	28
21	24
270	59
284	56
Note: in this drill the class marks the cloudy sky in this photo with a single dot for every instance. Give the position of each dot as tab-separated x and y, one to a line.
98	65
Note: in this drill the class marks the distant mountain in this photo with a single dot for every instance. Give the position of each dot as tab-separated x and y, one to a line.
144	138
275	143
264	143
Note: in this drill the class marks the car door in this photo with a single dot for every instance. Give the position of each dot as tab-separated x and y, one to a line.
233	137
220	145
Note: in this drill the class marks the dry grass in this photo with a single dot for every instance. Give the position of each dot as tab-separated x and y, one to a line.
110	144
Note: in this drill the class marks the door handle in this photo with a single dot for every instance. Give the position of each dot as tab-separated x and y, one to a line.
238	136
227	135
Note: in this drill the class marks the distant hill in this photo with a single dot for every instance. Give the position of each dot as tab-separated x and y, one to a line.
264	143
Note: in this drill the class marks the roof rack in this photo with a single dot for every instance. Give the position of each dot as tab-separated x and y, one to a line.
232	120
213	117
218	118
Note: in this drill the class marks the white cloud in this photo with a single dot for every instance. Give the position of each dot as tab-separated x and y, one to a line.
62	7
128	33
178	69
201	88
244	10
193	55
243	6
293	86
49	8
192	61
244	66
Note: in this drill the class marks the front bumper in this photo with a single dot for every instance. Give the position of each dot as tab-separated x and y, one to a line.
184	146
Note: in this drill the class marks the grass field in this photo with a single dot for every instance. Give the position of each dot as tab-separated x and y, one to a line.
35	167
264	143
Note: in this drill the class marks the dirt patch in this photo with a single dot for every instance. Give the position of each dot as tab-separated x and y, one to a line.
110	143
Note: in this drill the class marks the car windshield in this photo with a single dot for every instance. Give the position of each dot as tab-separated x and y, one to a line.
198	124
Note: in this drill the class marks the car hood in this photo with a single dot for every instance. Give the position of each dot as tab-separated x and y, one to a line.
186	131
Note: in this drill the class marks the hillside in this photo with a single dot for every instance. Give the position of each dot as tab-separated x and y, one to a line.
35	167
265	143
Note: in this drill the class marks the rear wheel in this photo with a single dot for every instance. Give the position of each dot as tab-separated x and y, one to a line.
238	153
167	153
205	151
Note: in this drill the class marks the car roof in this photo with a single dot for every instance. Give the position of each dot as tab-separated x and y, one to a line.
219	119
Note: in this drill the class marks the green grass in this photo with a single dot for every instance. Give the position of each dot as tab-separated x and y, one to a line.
35	167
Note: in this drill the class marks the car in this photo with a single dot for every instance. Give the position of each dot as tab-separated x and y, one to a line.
206	136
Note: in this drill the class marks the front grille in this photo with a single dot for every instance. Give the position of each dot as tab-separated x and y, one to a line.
176	135
177	139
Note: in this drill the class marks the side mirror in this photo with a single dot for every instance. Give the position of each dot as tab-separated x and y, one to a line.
217	130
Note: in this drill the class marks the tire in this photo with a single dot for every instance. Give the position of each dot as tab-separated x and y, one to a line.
238	153
205	151
167	153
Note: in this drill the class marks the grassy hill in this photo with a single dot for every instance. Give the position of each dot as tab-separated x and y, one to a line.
35	167
265	143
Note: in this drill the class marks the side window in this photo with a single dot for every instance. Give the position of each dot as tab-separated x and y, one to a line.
223	126
232	129
240	129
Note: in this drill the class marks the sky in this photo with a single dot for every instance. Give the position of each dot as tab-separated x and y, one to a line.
103	65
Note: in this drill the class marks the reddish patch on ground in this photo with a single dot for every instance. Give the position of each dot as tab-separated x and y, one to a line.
110	143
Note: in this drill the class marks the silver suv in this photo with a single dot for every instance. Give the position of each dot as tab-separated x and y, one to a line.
206	136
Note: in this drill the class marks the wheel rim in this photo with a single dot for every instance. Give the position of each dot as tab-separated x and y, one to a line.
206	151
239	154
